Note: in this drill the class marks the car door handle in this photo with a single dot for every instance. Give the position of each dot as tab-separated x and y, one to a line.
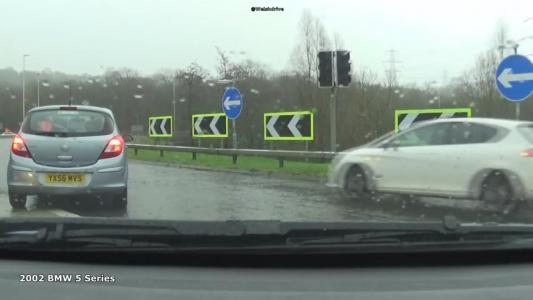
64	157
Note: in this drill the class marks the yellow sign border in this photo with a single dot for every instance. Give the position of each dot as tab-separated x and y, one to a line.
200	136
398	112
289	113
161	135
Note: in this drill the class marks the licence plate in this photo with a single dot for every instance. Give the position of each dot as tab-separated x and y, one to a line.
69	178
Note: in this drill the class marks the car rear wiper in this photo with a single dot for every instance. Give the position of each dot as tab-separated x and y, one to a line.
51	133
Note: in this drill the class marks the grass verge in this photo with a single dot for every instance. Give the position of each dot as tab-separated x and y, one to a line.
248	163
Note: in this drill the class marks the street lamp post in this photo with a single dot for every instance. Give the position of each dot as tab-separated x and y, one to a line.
514	45
233	121
174	104
174	116
38	90
24	84
233	125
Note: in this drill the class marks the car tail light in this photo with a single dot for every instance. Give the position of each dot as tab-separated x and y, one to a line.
18	147
68	108
527	153
114	147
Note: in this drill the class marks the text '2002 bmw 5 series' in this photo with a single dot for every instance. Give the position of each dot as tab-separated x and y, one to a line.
68	150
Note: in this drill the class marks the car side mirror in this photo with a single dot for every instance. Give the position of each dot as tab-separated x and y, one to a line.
128	138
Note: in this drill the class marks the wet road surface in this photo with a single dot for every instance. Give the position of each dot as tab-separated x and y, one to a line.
157	191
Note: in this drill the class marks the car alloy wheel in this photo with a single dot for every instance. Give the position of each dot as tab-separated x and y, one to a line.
355	183
496	191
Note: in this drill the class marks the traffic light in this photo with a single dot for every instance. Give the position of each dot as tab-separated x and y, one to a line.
325	69
343	68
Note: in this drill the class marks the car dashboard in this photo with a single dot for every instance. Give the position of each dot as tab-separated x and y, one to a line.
21	279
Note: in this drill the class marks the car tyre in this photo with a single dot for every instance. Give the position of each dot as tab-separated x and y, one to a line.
355	183
120	201
497	192
17	201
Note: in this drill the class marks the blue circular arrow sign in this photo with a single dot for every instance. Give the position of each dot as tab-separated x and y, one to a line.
232	102
514	78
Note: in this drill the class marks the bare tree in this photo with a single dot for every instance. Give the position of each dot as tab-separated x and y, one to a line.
483	77
224	64
367	86
248	69
313	38
192	77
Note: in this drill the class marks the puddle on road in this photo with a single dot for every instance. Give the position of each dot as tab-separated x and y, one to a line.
433	209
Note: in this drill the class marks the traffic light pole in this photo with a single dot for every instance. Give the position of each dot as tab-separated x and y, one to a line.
333	72
234	135
333	105
333	120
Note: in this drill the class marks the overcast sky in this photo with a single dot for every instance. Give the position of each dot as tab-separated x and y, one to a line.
433	39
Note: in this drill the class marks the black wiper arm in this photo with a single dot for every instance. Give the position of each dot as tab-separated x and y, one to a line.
450	231
23	233
59	236
23	237
369	237
232	236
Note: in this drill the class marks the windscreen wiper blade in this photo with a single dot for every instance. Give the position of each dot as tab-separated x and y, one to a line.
370	237
254	236
450	232
23	236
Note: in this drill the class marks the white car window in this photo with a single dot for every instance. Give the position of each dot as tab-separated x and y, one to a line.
436	134
470	133
72	123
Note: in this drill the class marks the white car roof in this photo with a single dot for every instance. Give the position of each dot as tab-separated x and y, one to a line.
487	121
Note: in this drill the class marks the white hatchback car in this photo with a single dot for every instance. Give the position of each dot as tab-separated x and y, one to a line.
473	158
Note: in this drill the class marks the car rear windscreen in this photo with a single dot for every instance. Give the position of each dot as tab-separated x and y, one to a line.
68	123
526	131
